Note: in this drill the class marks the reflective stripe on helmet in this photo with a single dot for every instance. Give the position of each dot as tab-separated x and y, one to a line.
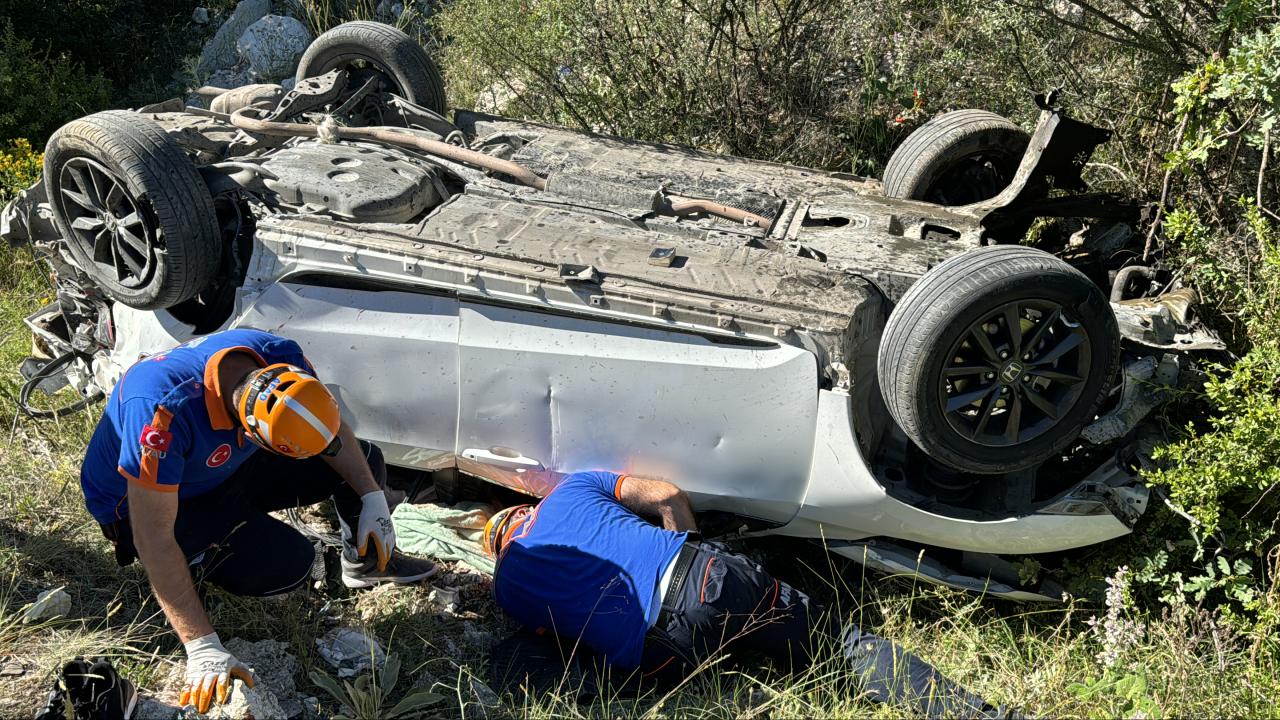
311	419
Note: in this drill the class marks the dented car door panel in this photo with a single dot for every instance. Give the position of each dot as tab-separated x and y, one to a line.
731	423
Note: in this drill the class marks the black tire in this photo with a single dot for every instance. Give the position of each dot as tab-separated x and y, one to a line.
949	340
175	239
389	50
957	158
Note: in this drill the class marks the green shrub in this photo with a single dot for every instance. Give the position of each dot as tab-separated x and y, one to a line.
42	90
20	167
135	44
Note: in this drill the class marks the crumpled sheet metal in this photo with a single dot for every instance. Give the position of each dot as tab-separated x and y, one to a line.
1165	322
28	218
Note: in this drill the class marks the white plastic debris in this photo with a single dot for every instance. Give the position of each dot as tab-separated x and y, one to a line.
48	605
350	651
446	598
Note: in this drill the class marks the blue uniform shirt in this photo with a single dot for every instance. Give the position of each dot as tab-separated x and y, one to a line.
584	566
166	425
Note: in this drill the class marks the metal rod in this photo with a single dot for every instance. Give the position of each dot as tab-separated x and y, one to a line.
519	173
688	206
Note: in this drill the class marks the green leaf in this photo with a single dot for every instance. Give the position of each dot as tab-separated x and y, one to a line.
414	702
330	686
390	673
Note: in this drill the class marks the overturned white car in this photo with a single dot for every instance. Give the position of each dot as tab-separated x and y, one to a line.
804	352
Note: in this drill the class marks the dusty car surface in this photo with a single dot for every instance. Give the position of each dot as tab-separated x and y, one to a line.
882	367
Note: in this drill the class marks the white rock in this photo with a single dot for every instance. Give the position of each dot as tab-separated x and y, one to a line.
150	708
247	703
350	651
389	10
272	46
48	605
220	51
200	15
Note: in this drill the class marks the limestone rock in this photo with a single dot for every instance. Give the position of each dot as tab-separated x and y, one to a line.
49	604
200	15
245	703
220	52
272	46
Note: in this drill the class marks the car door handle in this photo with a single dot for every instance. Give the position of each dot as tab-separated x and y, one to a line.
503	457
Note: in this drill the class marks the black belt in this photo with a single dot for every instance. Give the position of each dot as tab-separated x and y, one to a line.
679	573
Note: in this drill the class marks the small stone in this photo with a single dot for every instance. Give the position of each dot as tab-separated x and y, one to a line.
49	604
200	15
272	46
12	668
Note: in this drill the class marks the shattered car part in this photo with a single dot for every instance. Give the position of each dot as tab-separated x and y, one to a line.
1165	322
1147	383
541	301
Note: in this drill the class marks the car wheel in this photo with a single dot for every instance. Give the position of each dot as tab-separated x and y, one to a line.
134	213
996	359
957	158
369	49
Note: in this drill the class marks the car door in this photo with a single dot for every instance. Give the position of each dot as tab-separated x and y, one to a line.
731	421
389	356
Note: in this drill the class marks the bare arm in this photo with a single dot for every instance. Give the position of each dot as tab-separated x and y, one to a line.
152	514
351	464
657	499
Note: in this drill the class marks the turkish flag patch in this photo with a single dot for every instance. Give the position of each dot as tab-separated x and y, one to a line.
219	456
154	438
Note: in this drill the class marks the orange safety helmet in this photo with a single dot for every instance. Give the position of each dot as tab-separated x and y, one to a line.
502	526
286	410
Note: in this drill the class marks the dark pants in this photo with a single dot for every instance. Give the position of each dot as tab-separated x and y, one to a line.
231	541
727	602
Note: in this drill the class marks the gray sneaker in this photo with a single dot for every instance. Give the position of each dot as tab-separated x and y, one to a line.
402	569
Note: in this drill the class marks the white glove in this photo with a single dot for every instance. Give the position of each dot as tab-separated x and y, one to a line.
209	671
375	524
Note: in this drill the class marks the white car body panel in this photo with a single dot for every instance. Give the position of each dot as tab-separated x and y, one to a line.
845	502
580	394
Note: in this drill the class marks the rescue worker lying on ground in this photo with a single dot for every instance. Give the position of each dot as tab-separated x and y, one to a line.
177	475
584	564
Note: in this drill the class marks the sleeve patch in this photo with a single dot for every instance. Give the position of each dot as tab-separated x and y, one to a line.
155	439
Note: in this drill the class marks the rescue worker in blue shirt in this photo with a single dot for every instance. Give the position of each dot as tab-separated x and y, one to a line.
195	447
584	564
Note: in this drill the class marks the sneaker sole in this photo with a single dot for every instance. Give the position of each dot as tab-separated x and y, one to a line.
133	701
360	583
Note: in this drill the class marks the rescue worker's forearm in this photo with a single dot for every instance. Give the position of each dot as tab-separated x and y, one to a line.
170	577
658	499
351	464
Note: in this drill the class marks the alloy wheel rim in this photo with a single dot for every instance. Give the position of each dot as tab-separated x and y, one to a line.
106	222
1014	373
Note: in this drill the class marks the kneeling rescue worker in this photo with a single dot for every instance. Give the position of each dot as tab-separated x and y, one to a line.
585	565
196	446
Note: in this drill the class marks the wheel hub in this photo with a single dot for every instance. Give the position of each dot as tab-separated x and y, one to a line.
1011	372
1014	372
106	222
